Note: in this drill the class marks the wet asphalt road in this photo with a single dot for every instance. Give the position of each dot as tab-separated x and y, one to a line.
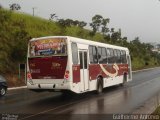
29	105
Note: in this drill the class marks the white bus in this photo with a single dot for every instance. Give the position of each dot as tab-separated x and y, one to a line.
74	64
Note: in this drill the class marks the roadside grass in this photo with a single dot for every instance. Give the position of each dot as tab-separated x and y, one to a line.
14	80
157	112
139	63
36	26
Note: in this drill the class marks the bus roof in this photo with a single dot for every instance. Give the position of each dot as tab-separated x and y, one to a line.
83	41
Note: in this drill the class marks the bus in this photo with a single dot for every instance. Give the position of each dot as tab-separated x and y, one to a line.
64	63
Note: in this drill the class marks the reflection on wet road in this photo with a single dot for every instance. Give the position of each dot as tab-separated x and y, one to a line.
115	99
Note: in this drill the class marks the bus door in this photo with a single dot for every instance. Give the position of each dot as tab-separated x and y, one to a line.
129	68
84	69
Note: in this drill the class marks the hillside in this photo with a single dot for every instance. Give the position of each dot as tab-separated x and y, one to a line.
17	28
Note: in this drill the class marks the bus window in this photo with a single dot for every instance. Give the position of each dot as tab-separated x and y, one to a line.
108	54
85	60
123	56
99	54
81	60
93	54
90	54
111	58
95	59
102	55
74	53
117	55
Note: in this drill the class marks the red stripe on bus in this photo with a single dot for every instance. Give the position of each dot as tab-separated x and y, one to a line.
95	70
76	73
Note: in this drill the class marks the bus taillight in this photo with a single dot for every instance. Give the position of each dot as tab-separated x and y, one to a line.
29	76
66	76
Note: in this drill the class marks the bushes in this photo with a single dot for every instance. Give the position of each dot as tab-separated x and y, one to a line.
13	38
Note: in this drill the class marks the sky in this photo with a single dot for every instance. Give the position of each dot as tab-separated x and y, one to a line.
136	18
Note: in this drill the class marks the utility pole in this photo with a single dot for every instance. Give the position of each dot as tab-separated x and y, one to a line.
33	10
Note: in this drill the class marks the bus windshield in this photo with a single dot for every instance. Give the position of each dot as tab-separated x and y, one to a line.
48	47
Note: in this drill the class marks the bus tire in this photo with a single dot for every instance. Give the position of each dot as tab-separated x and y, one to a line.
124	79
99	85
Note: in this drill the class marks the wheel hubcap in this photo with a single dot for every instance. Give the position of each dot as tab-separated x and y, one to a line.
3	91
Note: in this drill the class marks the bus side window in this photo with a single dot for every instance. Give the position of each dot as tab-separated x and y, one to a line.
108	55
93	54
90	54
123	56
99	54
74	53
118	57
115	56
95	59
81	59
102	54
111	58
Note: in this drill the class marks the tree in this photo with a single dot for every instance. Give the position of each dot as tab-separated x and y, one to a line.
53	16
115	36
112	30
75	23
61	22
65	22
70	22
96	23
0	6
82	24
19	50
15	6
104	26
137	49
136	41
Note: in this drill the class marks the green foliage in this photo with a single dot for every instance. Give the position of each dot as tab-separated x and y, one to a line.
70	23
137	63
15	6
19	50
96	23
104	26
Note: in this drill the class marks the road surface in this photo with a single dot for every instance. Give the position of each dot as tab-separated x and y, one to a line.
28	105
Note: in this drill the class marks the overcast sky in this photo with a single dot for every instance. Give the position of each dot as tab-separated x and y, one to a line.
135	17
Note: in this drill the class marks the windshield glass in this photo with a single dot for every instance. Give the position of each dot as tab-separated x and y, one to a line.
48	47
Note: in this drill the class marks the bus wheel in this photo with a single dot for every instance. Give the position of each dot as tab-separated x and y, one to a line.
124	79
99	85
